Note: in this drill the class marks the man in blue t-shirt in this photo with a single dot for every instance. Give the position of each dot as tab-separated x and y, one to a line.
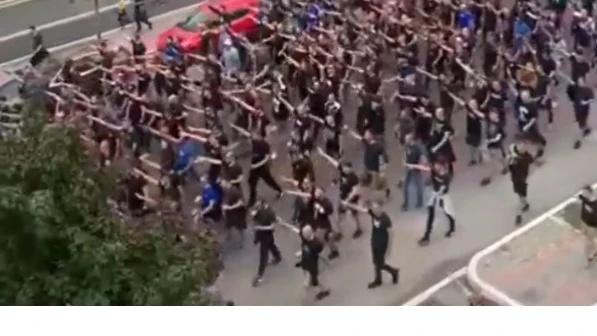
521	32
212	196
185	158
466	19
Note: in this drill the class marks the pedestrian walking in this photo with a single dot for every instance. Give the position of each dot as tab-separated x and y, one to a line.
265	220
39	50
381	242
260	170
311	248
440	198
519	161
414	154
122	16
140	15
588	217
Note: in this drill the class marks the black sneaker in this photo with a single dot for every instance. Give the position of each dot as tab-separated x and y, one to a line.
526	207
333	255
586	132
518	220
395	276
472	163
423	241
540	153
322	295
374	284
577	144
357	234
486	181
277	261
450	233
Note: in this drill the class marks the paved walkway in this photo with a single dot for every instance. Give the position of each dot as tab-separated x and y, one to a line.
544	266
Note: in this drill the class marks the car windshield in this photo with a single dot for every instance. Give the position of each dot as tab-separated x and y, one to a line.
194	21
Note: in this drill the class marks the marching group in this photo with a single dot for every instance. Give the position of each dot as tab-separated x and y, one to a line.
294	77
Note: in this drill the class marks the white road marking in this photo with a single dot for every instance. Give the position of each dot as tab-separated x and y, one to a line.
93	38
423	296
59	22
12	3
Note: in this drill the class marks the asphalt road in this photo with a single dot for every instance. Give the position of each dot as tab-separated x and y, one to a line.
483	216
40	12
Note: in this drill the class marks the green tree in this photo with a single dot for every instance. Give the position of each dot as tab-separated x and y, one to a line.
60	244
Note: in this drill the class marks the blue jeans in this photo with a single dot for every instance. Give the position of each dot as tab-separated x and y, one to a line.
414	178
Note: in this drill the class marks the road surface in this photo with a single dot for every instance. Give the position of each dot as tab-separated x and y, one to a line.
483	216
19	17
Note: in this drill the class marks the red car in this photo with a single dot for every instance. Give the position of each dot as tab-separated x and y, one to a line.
239	13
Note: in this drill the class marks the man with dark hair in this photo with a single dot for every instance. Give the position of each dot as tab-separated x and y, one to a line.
265	220
381	242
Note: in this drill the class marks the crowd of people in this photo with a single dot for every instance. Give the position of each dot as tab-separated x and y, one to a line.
292	79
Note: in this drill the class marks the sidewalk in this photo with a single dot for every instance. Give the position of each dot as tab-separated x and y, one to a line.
544	266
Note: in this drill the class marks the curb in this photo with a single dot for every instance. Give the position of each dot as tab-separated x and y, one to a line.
11	3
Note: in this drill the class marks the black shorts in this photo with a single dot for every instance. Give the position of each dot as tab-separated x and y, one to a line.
214	215
520	188
581	118
236	222
313	275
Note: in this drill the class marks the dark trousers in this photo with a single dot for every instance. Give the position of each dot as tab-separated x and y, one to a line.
379	263
267	246
431	219
38	57
261	173
141	17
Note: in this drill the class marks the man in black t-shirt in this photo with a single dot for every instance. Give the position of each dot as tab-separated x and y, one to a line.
322	209
265	220
348	183
234	208
519	162
311	247
381	244
583	97
260	159
375	159
589	219
232	171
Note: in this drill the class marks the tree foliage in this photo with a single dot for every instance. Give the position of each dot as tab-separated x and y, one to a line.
61	245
